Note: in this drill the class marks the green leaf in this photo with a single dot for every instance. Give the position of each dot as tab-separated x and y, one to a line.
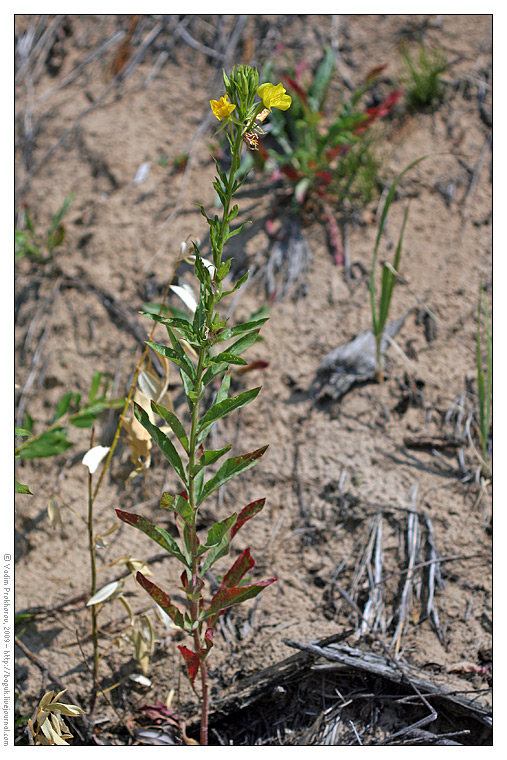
217	533
62	406
173	422
239	283
226	406
175	356
165	445
244	327
21	432
178	504
20	488
83	419
94	387
184	326
210	457
227	357
159	535
318	90
237	230
383	217
224	389
48	444
229	469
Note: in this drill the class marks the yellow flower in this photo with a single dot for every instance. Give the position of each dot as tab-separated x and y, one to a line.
222	108
274	96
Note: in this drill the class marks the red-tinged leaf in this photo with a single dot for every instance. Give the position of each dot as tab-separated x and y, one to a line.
210	632
228	597
373	73
293	85
161	598
291	173
159	535
246	514
192	661
259	364
160	714
378	112
243	564
333	152
231	467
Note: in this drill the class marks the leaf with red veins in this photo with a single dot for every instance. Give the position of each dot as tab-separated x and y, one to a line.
162	599
246	514
228	597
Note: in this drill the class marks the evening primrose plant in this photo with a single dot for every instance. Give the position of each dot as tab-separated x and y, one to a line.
205	348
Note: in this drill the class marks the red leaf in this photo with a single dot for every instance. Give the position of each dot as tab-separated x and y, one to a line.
246	514
292	85
259	364
228	597
243	564
161	598
375	72
377	112
291	173
192	661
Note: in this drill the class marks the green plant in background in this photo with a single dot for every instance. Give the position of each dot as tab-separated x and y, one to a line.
69	411
484	381
422	77
328	158
216	349
29	243
380	313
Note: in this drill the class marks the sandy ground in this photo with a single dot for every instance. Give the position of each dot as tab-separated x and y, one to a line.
333	469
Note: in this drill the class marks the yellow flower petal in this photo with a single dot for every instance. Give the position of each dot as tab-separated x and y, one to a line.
274	96
222	108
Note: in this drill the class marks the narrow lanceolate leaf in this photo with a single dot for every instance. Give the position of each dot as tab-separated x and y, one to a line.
173	422
210	457
217	533
62	406
184	326
229	469
241	567
228	358
165	445
226	406
182	361
244	327
163	601
159	535
228	597
246	514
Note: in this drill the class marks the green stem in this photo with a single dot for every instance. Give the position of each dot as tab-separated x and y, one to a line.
194	605
91	544
379	375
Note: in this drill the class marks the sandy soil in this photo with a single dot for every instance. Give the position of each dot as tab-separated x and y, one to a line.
333	469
